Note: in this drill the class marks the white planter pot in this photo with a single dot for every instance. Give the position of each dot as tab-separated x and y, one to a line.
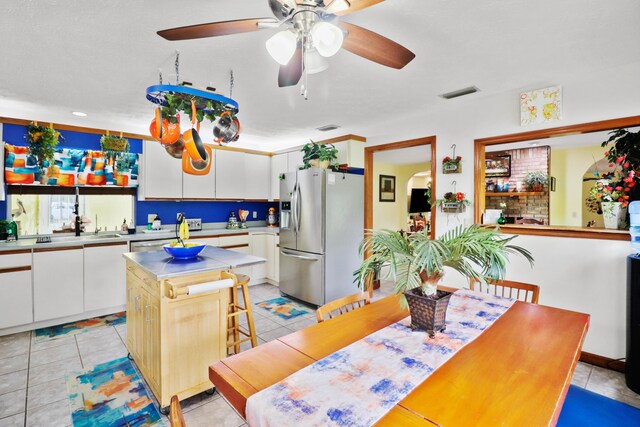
614	215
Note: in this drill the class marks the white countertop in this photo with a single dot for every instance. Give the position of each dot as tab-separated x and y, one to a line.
163	266
109	237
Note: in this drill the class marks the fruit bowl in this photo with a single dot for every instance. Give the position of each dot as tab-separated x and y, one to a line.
191	250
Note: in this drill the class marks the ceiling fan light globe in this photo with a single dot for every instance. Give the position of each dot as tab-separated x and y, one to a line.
281	46
327	38
314	63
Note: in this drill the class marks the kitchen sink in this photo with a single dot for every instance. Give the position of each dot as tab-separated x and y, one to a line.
59	239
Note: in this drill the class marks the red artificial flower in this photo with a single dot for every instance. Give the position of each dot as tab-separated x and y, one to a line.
608	188
626	165
459	196
625	204
625	197
618	188
620	199
631	184
627	189
446	159
620	159
606	153
611	165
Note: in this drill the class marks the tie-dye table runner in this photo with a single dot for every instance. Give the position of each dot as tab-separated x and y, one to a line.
359	384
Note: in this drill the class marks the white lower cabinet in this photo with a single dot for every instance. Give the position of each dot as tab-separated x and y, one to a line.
260	248
16	304
58	282
104	275
274	245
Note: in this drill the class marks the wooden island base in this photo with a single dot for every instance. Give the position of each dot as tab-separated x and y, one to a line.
173	341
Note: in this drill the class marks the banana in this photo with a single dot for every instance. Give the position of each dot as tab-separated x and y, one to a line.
184	231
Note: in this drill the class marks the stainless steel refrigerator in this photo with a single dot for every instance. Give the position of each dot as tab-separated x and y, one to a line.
321	226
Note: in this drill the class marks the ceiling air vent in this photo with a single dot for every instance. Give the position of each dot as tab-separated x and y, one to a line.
327	128
460	92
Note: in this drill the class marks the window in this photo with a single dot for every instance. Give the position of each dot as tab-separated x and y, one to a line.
570	161
54	213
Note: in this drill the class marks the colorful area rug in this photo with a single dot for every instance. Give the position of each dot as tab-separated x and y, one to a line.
69	329
284	307
111	395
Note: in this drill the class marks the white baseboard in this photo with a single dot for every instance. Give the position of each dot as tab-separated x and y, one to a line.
61	320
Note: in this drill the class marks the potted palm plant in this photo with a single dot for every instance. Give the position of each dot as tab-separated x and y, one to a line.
417	263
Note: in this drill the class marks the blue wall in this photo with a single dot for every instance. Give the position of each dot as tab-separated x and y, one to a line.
209	211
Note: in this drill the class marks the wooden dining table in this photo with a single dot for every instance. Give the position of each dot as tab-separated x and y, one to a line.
516	373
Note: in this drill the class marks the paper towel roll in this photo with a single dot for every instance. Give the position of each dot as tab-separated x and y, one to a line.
209	286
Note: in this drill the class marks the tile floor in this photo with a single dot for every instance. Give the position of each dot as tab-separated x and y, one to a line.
32	375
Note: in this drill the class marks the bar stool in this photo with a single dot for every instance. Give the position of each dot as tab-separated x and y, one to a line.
234	311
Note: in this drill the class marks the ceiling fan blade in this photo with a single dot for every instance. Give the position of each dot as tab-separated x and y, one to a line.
375	47
356	5
214	29
289	75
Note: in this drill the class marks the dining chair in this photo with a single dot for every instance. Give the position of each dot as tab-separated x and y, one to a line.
506	288
175	413
530	221
343	305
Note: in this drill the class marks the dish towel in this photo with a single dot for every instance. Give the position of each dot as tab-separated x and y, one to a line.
359	384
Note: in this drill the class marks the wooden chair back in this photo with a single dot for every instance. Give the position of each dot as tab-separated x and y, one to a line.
507	288
175	413
343	305
530	221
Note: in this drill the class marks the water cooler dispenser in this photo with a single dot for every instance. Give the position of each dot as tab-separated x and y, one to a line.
632	368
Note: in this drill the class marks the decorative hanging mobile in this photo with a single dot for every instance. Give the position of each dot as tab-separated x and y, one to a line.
452	201
199	105
452	164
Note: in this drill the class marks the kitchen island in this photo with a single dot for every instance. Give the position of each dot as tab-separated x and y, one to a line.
174	337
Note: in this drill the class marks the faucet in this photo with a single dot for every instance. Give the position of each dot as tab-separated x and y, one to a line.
78	222
97	228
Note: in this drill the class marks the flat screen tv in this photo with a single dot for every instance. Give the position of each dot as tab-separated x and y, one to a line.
419	201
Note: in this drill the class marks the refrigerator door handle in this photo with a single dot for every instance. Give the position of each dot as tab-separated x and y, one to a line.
298	209
298	256
294	214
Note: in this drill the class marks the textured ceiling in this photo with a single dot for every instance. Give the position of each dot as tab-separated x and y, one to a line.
60	56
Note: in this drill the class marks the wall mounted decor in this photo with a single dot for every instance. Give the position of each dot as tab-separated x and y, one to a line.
541	105
387	190
497	166
452	164
71	167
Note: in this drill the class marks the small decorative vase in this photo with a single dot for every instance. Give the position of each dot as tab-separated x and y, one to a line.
613	215
428	312
314	163
324	164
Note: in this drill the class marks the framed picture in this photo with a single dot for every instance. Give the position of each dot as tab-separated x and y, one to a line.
387	190
497	166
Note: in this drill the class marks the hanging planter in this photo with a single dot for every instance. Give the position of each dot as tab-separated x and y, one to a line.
452	202
42	142
452	164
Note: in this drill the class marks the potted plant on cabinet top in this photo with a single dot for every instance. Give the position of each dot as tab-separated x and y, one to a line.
536	180
418	263
318	155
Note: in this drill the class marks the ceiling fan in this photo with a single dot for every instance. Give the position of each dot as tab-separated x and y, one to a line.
310	34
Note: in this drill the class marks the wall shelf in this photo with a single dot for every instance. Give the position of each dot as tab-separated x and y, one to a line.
515	193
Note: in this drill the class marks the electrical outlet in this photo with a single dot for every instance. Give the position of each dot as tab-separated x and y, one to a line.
255	214
150	218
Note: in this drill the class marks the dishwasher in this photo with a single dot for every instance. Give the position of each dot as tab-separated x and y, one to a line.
149	245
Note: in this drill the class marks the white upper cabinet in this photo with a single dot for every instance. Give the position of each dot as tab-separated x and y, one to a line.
162	173
294	160
278	166
200	186
258	176
230	174
350	152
